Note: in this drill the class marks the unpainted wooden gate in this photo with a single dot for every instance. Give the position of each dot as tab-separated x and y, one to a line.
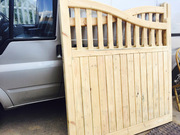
118	85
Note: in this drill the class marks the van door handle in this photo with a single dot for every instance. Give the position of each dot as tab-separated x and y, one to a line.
58	51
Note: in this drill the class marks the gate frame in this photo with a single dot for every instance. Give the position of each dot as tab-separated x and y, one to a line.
69	53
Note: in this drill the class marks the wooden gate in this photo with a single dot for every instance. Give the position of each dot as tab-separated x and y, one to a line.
118	85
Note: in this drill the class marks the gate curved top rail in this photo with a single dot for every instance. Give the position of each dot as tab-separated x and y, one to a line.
150	13
86	4
146	9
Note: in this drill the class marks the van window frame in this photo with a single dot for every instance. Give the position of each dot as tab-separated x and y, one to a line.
11	21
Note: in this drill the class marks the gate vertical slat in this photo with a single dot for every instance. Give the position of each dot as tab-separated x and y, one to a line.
119	33
150	17
157	17
143	16
136	36
110	31
100	30
78	28
152	38
144	37
128	35
89	29
159	37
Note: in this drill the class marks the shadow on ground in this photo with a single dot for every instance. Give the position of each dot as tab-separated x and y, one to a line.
48	118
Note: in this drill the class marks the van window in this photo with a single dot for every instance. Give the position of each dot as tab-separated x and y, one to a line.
33	19
4	20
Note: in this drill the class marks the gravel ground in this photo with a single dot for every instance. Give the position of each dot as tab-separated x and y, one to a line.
48	118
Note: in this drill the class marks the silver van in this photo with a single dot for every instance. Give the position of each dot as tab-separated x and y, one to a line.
30	60
30	52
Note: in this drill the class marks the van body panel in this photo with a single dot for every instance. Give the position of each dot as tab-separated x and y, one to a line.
30	71
5	100
35	93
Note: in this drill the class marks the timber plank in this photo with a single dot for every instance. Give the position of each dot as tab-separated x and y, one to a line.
144	86
78	97
161	83
118	91
110	93
138	92
150	86
88	123
103	94
132	101
125	98
156	85
95	95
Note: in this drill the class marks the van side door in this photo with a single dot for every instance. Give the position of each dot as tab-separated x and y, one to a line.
29	68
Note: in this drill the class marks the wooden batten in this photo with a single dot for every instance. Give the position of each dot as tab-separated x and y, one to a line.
110	32
128	35
144	37
89	29
100	30
78	28
150	17
136	36
119	33
152	37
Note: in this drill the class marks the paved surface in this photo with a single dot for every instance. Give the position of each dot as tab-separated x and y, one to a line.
176	115
47	118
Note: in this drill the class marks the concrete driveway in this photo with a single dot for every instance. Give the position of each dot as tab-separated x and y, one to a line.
48	118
